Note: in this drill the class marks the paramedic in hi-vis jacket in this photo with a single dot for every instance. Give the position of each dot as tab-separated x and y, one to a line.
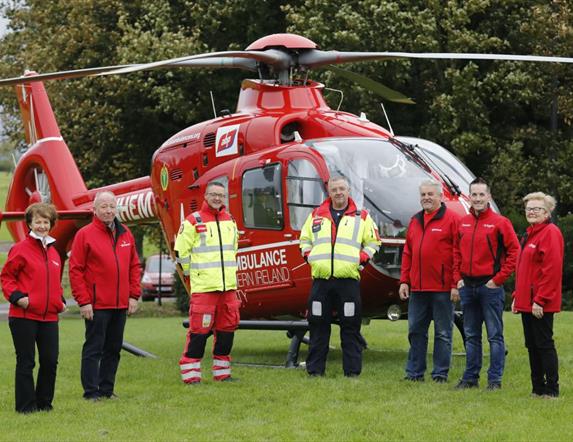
206	248
337	240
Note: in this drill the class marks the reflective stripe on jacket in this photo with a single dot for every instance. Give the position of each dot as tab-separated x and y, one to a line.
428	258
206	249
540	269
338	252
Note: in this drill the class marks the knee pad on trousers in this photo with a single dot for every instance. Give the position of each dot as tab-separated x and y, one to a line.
317	314
196	347
223	343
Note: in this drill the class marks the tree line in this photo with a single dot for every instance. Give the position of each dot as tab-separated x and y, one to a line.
509	122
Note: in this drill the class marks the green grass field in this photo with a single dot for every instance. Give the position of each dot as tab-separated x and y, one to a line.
279	404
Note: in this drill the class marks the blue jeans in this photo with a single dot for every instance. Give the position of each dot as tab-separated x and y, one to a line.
479	305
422	308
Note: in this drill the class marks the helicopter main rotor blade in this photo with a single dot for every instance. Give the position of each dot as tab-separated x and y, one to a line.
315	58
271	57
76	73
372	85
218	62
241	61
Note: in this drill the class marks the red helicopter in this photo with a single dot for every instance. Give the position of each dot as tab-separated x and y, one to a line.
274	155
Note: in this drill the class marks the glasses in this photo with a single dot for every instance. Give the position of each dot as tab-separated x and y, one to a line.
534	209
216	195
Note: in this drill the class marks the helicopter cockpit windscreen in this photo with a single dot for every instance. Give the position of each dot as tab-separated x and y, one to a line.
447	163
384	178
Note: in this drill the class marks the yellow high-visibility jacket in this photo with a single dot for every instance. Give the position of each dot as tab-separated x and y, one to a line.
337	253
206	249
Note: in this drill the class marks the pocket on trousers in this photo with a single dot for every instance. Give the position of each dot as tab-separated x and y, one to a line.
202	318
233	314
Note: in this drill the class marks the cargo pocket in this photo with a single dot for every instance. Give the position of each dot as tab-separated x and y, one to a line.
202	317
232	316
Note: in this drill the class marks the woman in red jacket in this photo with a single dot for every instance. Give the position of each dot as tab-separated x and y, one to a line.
537	293
31	282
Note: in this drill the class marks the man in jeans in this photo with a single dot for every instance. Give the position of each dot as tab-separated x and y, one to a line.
428	281
486	252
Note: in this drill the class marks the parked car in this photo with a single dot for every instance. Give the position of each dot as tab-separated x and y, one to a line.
150	279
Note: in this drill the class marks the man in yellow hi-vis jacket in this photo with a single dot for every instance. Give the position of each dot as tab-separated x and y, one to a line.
206	249
337	240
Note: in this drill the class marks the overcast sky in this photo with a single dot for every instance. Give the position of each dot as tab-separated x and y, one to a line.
3	22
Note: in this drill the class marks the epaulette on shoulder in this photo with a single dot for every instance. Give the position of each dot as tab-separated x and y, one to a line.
194	218
363	214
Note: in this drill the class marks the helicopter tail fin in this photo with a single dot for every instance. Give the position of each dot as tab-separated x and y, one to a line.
46	172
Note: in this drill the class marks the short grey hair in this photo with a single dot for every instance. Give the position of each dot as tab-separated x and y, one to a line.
338	178
431	183
103	194
548	201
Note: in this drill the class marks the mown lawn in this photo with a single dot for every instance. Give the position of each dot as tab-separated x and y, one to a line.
280	404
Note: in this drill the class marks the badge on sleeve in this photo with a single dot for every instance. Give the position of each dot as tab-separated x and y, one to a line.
201	228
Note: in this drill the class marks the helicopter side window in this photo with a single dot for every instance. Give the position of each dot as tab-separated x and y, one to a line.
305	191
262	201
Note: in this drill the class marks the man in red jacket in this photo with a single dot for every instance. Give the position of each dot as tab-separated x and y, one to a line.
104	276
486	252
429	282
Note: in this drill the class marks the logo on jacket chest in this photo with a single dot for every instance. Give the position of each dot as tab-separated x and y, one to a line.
316	224
489	226
125	244
436	229
533	246
56	263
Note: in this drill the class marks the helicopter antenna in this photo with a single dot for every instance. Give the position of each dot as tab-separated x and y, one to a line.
341	96
213	104
387	119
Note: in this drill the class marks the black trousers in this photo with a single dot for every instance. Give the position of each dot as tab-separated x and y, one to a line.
27	334
542	353
101	352
342	295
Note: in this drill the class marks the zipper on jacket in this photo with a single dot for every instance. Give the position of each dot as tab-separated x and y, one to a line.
94	296
420	251
45	252
472	246
221	250
114	247
443	282
332	246
531	294
490	247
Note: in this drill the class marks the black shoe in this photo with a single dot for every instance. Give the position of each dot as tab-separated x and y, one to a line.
464	385
111	397
316	375
414	378
494	386
352	375
440	380
45	408
92	398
